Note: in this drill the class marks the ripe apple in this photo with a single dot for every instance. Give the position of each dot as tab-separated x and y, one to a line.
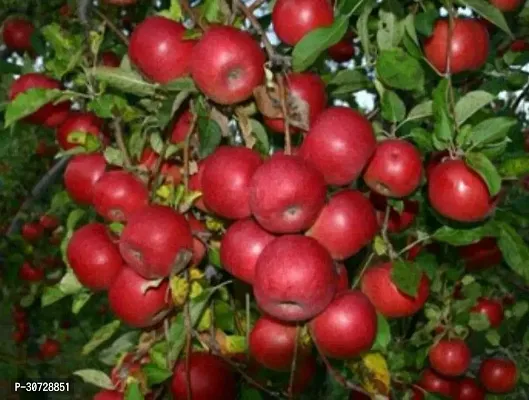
343	278
435	158
459	193
181	127
481	255
241	246
109	395
293	19
32	231
19	314
344	50
152	240
469	45
18	337
136	301
210	378
339	144
49	349
387	298
397	222
226	181
286	194
49	115
227	64
493	309
81	175
48	221
307	87
468	389
118	194
433	383
80	122
17	34
450	357
295	278
159	50
272	343
346	224
110	59
395	169
45	150
347	327
95	260
498	375
506	5
519	45
199	248
30	274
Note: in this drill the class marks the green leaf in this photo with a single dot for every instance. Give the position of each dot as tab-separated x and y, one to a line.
493	337
114	156
471	103
390	31
363	30
174	11
250	393
349	77
51	294
398	69
156	142
79	300
383	338
108	105
424	21
155	374
406	276
28	102
126	81
443	129
133	391
120	346
479	322
422	110
393	108
463	237
179	85
95	377
486	169
9	68
259	131
308	49
409	26
100	336
489	12
69	283
514	249
422	138
516	167
491	130
209	134
520	308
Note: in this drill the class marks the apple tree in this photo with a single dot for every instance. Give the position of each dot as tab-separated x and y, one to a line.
284	199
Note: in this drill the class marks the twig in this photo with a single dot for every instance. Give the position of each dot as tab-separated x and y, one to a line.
186	146
519	99
293	365
372	114
365	264
118	132
158	168
247	298
448	72
113	27
189	10
384	232
189	333
255	5
283	95
412	245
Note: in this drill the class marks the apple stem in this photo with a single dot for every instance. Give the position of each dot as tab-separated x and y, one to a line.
283	94
293	365
118	132
113	27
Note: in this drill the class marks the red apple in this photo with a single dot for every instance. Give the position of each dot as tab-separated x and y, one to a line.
109	395
307	87
18	337
210	378
293	19
435	158
347	327
19	314
450	357
32	231
226	181
387	298
343	278
493	309
110	59
344	50
49	222
49	115
118	194
395	169
346	224
137	301
506	5
17	34
295	278
498	376
195	184
159	50
433	383
272	343
95	260
241	246
397	222
519	45
169	171
152	240
339	144
80	122
468	389
81	175
227	64
30	274
286	194
49	349
482	254
459	193
181	127
469	45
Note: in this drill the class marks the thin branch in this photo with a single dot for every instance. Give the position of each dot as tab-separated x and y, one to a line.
283	95
255	5
384	233
189	333
520	98
197	21
120	141
113	27
371	116
293	365
412	245
158	168
186	146
365	264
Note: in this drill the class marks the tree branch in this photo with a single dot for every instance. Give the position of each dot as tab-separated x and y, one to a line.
113	27
120	141
283	95
197	21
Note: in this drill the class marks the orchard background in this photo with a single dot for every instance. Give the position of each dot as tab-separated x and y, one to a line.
227	199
